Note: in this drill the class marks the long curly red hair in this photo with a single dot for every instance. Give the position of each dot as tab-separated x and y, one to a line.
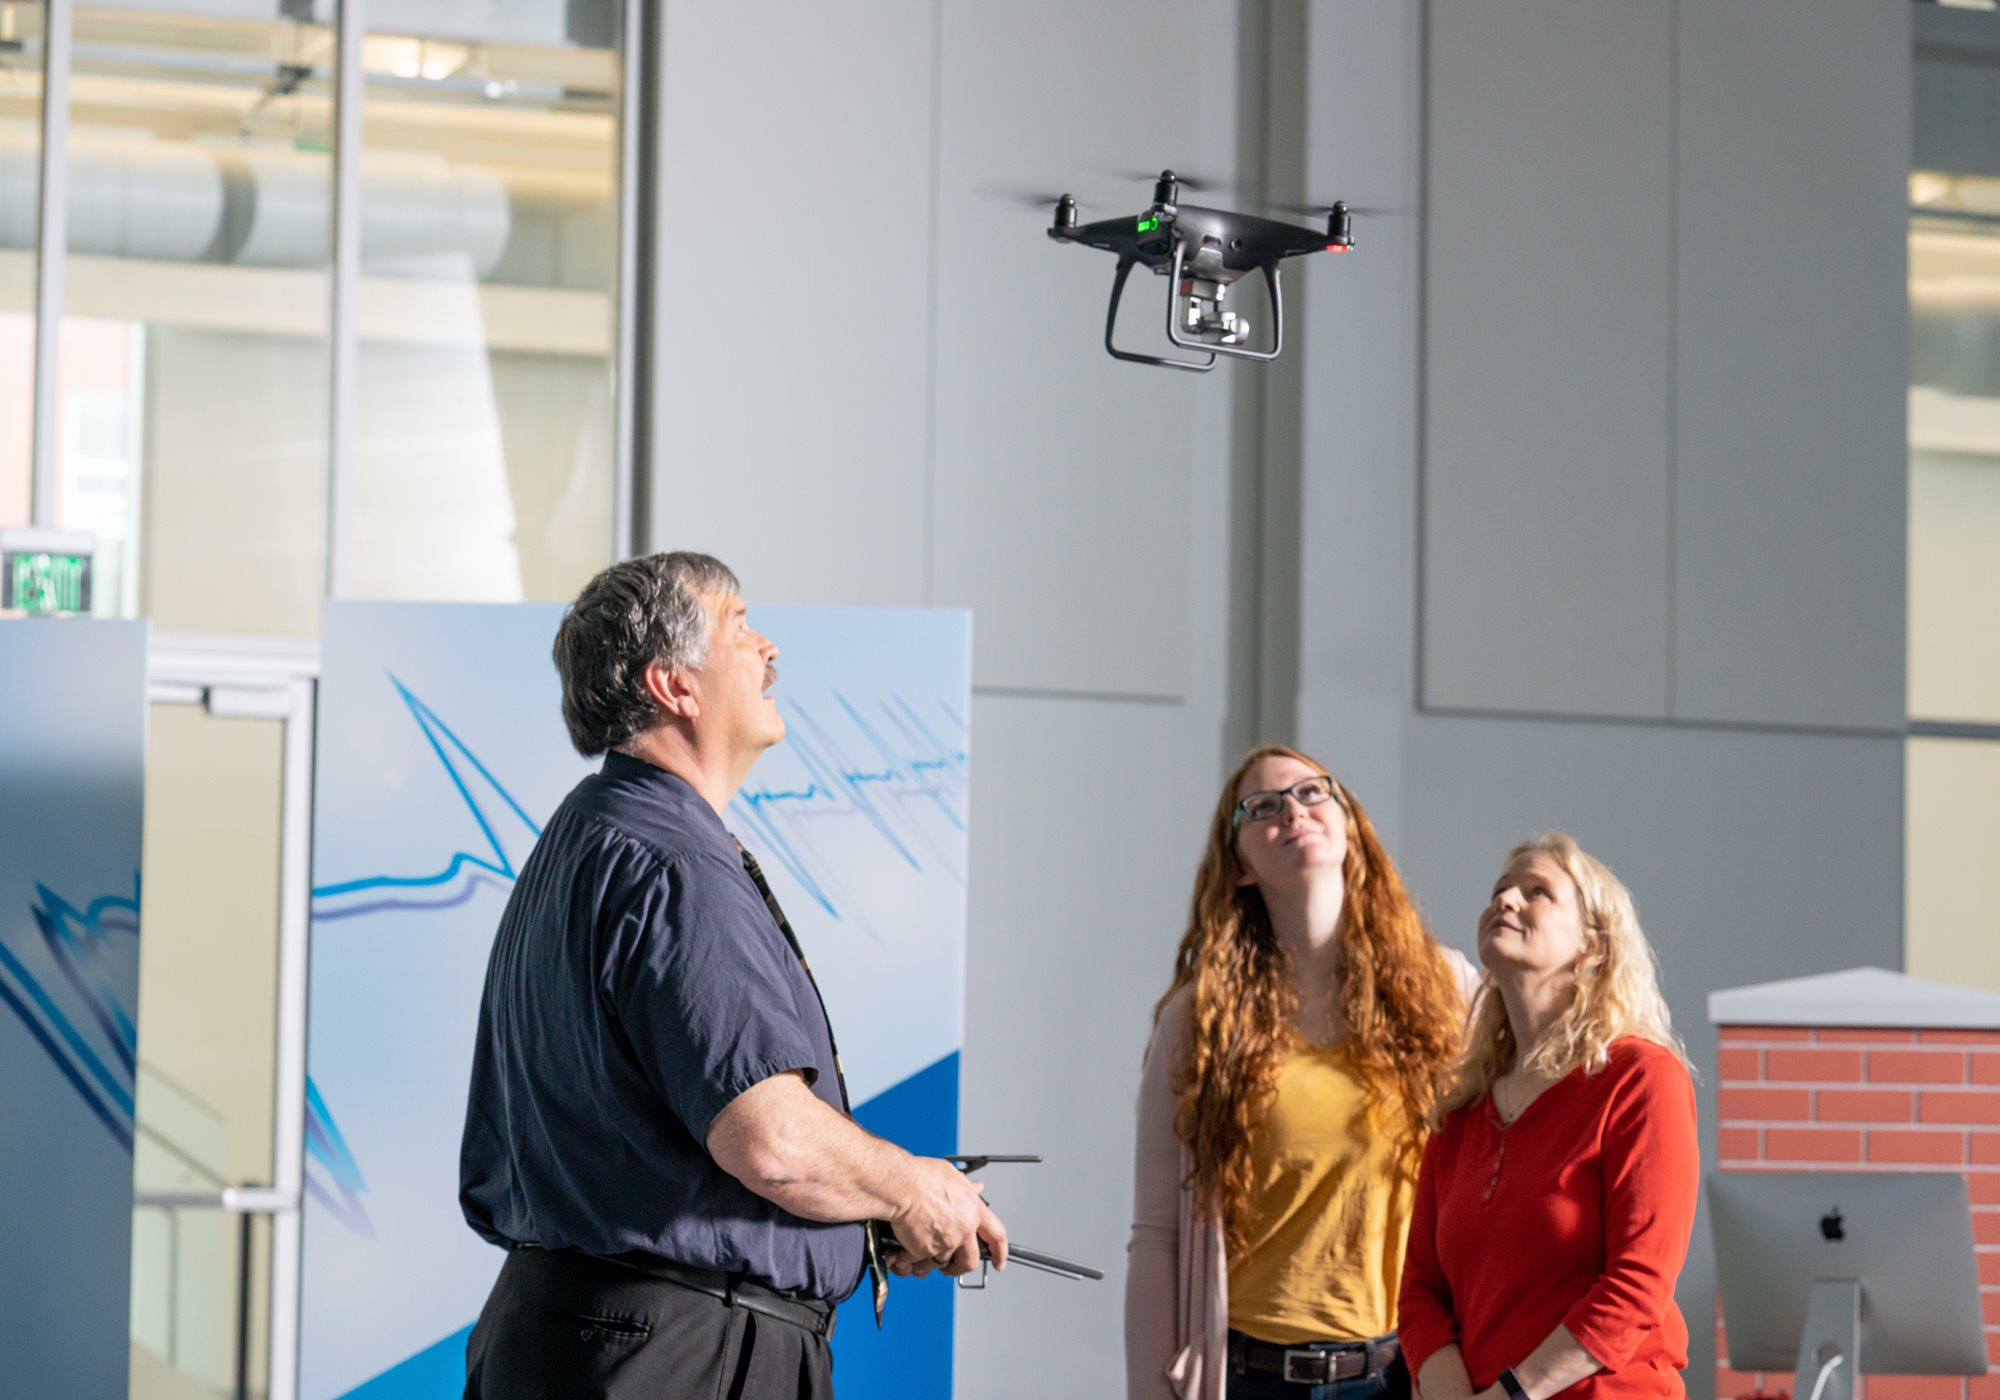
1404	1010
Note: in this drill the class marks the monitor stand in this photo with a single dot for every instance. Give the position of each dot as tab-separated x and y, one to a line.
1829	1348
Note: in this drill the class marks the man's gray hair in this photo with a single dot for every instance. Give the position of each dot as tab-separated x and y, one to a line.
631	614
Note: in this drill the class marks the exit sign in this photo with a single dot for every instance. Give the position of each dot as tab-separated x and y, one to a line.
45	571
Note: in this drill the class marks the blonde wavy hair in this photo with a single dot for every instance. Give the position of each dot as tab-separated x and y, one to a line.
1404	1010
1617	988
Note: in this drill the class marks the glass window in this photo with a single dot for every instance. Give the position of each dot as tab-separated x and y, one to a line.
207	1026
1955	448
20	206
190	1293
482	464
1952	767
193	364
193	408
1951	878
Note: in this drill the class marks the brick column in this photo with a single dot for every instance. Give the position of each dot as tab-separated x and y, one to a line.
1847	1098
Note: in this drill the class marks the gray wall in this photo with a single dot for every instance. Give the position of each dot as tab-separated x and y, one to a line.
1664	360
1605	450
1631	517
1547	354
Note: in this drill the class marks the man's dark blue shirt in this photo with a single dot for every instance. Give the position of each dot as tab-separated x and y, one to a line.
638	983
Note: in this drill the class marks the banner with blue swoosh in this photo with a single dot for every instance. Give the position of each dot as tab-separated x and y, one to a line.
441	752
72	803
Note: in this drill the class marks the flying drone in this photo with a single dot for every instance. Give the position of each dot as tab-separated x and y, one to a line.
1203	252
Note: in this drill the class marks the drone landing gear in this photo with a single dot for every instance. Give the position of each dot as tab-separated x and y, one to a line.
1111	325
1200	300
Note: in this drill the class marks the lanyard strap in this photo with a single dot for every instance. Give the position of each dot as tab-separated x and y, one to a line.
878	1281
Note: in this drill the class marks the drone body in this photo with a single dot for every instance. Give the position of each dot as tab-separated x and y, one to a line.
1204	252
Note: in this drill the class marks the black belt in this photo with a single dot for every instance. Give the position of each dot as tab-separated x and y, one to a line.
1313	1363
815	1315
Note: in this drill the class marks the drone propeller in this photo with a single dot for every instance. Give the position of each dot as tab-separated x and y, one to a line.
1027	199
1190	184
1022	196
1320	211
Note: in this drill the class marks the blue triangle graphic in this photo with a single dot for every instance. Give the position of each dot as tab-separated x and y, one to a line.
435	1373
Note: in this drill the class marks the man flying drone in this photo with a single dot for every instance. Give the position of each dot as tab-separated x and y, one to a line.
657	1129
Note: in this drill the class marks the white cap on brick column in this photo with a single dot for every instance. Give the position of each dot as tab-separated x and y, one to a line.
1860	996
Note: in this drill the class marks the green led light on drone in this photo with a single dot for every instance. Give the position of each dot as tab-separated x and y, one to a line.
1148	224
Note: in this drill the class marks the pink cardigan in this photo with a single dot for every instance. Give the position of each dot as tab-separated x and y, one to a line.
1176	1271
1176	1275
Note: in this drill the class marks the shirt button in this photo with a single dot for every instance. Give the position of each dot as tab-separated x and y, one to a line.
588	1334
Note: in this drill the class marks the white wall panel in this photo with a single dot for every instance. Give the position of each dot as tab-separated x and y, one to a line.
1085	835
1547	351
1065	479
1794	150
1357	337
788	398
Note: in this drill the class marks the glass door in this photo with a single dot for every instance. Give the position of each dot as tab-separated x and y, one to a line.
218	1167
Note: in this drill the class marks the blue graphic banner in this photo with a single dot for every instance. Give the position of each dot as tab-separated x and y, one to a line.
441	753
72	778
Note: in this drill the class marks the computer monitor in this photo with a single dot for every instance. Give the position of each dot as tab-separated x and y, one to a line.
1832	1274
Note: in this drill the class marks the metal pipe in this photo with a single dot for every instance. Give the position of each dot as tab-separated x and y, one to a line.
625	365
173	1290
244	1225
649	45
235	1200
349	92
289	1109
51	252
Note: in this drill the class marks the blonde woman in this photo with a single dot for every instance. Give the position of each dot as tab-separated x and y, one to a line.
1294	1065
1556	1197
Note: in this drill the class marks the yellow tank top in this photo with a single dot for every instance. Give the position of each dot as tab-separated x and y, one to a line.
1329	1209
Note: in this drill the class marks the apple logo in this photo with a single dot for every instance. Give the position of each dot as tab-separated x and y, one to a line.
1830	1225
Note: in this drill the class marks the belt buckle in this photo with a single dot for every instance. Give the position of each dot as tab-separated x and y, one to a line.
1304	1366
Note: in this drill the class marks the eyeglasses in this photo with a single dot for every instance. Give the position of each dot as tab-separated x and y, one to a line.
1266	806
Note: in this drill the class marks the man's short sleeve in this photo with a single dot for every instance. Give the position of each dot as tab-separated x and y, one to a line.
708	991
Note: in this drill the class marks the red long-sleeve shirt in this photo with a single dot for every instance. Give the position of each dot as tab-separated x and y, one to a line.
1577	1213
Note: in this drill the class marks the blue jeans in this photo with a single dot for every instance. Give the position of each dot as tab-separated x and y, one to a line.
1392	1383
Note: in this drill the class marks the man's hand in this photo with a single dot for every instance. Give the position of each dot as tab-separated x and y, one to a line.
942	1221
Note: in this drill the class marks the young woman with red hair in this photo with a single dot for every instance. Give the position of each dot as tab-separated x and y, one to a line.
1294	1066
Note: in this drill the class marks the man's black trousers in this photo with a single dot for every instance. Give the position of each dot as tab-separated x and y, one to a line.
563	1326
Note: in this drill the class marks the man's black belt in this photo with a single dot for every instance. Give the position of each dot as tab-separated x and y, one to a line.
1313	1363
815	1315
